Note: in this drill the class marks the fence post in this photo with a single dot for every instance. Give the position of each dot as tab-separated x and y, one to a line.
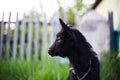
22	40
54	27
116	42
29	37
110	15
1	34
44	38
51	32
57	25
36	41
8	38
15	38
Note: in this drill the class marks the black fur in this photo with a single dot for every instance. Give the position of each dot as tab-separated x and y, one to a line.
72	44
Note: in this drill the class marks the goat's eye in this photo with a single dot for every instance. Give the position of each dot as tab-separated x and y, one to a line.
59	39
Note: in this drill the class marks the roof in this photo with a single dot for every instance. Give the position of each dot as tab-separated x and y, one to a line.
97	2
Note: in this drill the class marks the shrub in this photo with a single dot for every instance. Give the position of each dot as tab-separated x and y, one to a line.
110	65
32	70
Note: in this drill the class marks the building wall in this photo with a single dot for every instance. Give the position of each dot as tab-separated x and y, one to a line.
95	29
110	5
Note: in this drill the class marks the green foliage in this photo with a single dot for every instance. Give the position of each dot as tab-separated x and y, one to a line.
78	5
51	69
70	16
72	10
110	65
32	70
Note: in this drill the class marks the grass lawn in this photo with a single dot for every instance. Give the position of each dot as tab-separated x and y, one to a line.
52	69
32	70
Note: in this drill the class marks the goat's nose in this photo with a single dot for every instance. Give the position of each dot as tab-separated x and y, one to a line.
50	51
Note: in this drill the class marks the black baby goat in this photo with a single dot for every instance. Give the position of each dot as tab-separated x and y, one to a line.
84	64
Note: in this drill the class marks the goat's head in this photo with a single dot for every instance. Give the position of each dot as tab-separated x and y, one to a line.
64	42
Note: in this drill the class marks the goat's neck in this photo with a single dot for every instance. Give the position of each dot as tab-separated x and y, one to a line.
78	62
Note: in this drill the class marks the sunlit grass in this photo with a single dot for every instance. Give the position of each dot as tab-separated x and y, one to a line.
51	69
110	65
32	70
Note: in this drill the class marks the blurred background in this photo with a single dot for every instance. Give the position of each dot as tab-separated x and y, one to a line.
29	27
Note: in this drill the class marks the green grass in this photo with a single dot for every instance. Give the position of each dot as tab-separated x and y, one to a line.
32	70
110	66
51	69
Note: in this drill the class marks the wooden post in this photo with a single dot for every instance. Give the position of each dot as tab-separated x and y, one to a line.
15	38
36	40
44	38
112	46
51	32
29	38
1	34
22	40
8	37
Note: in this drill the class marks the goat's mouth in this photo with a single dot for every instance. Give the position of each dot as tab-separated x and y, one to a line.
52	52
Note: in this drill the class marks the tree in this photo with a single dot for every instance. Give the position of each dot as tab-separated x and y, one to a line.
71	12
70	15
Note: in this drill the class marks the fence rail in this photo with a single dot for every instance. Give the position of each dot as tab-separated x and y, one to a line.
30	38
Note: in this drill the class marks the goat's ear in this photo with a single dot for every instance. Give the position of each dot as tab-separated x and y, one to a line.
64	26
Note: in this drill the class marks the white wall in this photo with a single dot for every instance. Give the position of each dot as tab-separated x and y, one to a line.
110	5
